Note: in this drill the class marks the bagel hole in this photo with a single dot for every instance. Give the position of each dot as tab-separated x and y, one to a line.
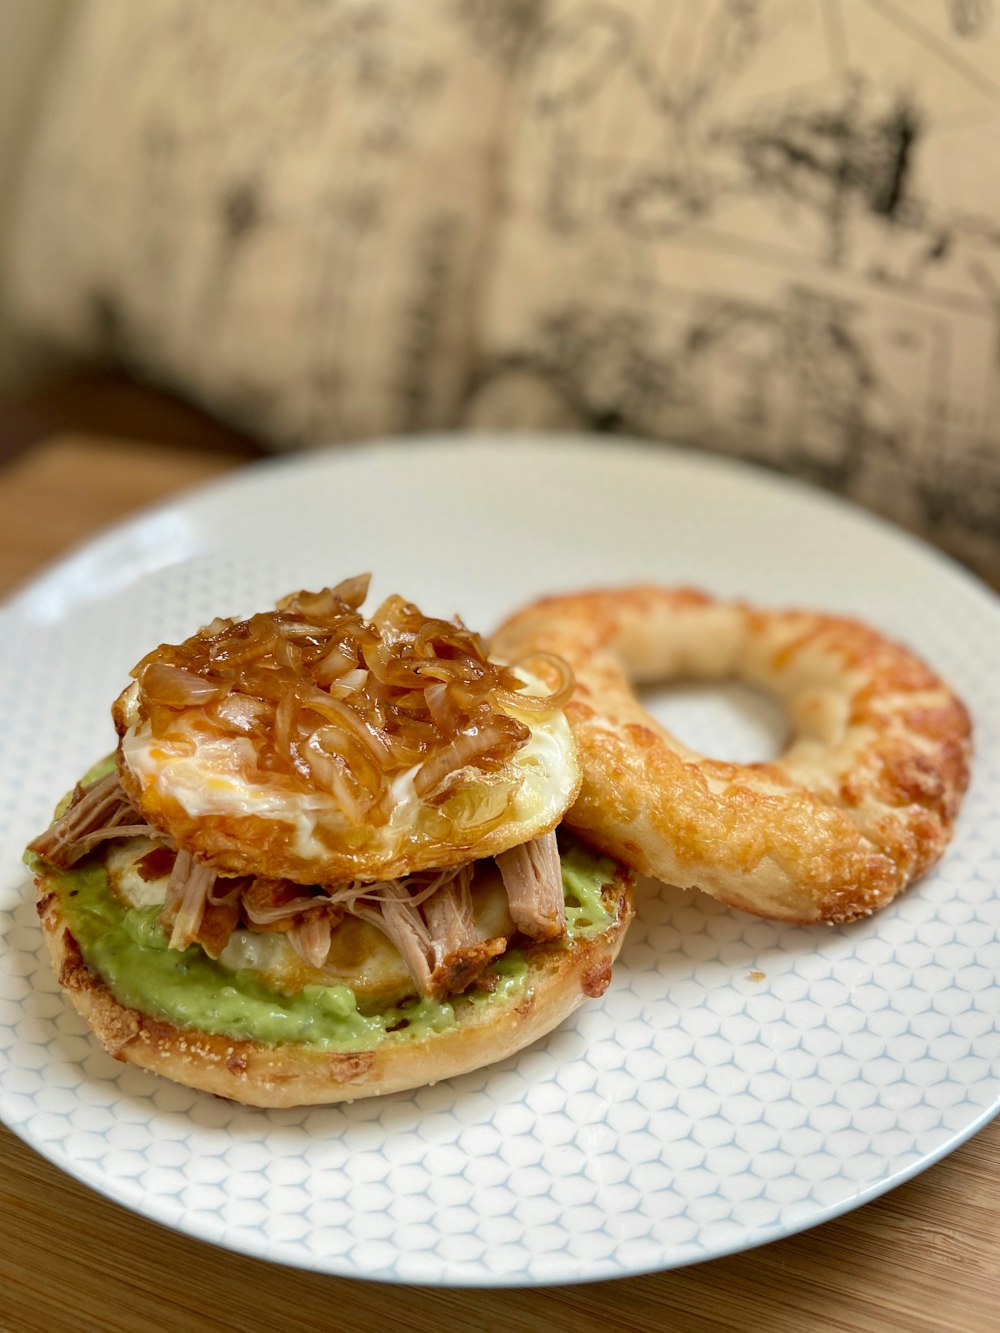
727	720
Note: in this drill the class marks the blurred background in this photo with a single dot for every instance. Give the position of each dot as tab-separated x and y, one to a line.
27	34
766	228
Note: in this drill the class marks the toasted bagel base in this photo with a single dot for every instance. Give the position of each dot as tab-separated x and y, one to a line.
561	975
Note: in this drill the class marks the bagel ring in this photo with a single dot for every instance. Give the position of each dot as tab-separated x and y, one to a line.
861	802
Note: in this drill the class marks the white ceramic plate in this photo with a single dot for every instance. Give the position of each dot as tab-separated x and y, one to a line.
740	1080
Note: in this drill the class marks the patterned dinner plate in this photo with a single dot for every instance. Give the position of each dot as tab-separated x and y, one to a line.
740	1079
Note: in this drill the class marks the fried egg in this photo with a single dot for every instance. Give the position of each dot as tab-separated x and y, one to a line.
207	795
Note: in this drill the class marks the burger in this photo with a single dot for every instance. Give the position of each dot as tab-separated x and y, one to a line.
325	862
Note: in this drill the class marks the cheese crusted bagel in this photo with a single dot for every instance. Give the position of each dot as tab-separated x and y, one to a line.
861	802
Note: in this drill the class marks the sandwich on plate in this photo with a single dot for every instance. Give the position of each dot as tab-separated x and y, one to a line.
325	861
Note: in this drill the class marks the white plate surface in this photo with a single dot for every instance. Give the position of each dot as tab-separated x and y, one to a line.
698	1107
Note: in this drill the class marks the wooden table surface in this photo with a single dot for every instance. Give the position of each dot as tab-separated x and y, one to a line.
924	1257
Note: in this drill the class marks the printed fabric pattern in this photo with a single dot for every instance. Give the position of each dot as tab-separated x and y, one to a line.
766	228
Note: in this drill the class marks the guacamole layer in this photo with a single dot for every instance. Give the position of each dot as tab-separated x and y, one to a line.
127	949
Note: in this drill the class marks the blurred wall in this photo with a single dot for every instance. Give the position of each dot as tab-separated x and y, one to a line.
28	30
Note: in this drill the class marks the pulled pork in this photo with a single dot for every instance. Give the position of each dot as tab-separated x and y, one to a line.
532	876
436	938
186	899
95	813
428	917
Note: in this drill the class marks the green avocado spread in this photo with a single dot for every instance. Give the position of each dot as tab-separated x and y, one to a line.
128	950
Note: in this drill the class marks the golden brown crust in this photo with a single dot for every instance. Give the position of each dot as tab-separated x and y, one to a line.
561	977
861	803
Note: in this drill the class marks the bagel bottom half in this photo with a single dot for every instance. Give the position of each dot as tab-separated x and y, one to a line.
534	987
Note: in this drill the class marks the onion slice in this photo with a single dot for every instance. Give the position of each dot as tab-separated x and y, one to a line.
559	695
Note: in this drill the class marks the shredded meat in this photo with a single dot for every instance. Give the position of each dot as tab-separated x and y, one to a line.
186	899
278	905
458	955
275	904
396	915
532	876
310	932
437	939
97	812
428	916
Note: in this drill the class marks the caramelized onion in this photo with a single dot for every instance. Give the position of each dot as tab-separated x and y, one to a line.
475	744
351	592
539	703
326	700
176	688
240	713
334	665
346	719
